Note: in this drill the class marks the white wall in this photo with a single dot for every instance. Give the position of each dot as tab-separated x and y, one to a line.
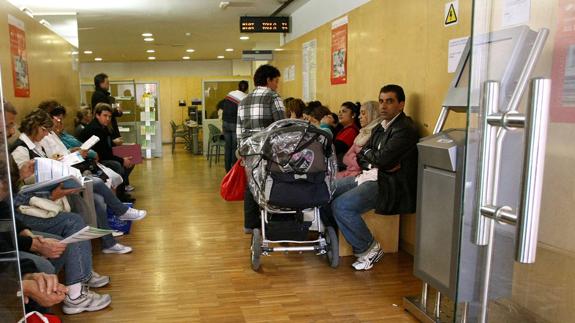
146	69
316	13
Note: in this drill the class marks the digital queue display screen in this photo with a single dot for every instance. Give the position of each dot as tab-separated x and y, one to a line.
264	25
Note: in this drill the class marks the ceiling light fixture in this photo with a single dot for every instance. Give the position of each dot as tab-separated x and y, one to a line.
150	51
229	49
279	49
190	50
148	39
88	52
244	37
186	57
98	59
220	56
151	58
147	34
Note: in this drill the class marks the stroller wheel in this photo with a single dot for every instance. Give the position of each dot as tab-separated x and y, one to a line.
332	247
256	249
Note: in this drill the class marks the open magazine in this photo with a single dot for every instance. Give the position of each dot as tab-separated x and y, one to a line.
49	173
87	233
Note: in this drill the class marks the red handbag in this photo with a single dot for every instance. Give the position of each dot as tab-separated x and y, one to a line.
234	183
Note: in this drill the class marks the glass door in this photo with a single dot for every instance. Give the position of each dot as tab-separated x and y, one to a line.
517	253
11	302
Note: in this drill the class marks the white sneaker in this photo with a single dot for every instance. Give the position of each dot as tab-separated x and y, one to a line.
370	257
129	188
117	233
87	301
118	248
133	215
98	280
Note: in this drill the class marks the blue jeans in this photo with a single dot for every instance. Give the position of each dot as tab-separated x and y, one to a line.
78	256
104	198
350	202
229	130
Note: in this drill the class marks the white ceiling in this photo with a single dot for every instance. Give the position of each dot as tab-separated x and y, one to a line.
112	28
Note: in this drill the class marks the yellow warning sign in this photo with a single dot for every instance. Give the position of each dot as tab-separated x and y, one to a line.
451	9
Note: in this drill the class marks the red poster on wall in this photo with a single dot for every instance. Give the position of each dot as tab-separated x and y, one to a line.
19	57
563	70
339	51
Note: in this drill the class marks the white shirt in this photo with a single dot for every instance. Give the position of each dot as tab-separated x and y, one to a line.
370	175
21	155
53	146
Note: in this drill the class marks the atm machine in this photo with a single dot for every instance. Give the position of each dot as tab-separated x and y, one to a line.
446	259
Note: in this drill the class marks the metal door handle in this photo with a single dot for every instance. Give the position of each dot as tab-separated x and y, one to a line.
533	166
527	216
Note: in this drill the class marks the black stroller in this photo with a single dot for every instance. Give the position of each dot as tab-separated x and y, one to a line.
291	167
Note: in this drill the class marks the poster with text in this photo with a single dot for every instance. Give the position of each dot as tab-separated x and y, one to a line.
563	70
339	51
19	58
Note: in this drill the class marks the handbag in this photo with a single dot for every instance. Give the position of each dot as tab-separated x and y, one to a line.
233	185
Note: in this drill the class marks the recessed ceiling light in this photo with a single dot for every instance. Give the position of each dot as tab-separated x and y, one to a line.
188	34
186	57
98	59
229	49
150	51
148	39
190	50
151	58
279	49
147	35
220	56
88	52
244	37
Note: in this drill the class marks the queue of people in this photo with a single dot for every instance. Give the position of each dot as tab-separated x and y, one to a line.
44	218
375	144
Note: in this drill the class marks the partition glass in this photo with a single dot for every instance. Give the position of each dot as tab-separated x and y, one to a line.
11	304
517	257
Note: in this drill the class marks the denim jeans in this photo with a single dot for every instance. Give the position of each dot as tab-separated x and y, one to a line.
78	256
42	264
109	197
350	202
229	130
108	240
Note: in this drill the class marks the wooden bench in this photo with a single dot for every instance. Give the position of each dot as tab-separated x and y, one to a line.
385	229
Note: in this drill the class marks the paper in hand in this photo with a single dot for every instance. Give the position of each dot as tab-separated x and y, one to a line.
86	233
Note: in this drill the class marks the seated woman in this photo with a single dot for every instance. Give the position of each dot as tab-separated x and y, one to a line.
369	118
83	117
349	119
294	108
34	128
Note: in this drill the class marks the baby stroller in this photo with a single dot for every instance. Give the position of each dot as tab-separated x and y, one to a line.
291	167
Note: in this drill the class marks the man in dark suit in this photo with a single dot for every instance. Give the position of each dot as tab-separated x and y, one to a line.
99	128
388	180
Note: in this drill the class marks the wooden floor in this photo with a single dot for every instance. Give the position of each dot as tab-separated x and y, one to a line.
191	263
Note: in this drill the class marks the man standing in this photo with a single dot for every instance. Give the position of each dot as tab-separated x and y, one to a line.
256	111
230	118
388	182
102	95
99	128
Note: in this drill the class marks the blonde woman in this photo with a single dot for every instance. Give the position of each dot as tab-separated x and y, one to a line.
368	118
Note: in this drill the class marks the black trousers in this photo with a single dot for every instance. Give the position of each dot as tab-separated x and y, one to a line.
251	211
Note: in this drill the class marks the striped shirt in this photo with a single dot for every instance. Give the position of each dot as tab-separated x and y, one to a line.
258	110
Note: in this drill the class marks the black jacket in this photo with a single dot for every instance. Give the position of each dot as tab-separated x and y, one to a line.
394	153
102	147
103	96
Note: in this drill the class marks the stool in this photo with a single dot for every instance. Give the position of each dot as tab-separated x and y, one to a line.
384	228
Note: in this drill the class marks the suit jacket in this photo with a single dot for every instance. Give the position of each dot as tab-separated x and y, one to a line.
104	146
394	153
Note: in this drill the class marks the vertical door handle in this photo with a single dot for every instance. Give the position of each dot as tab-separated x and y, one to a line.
533	166
487	168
